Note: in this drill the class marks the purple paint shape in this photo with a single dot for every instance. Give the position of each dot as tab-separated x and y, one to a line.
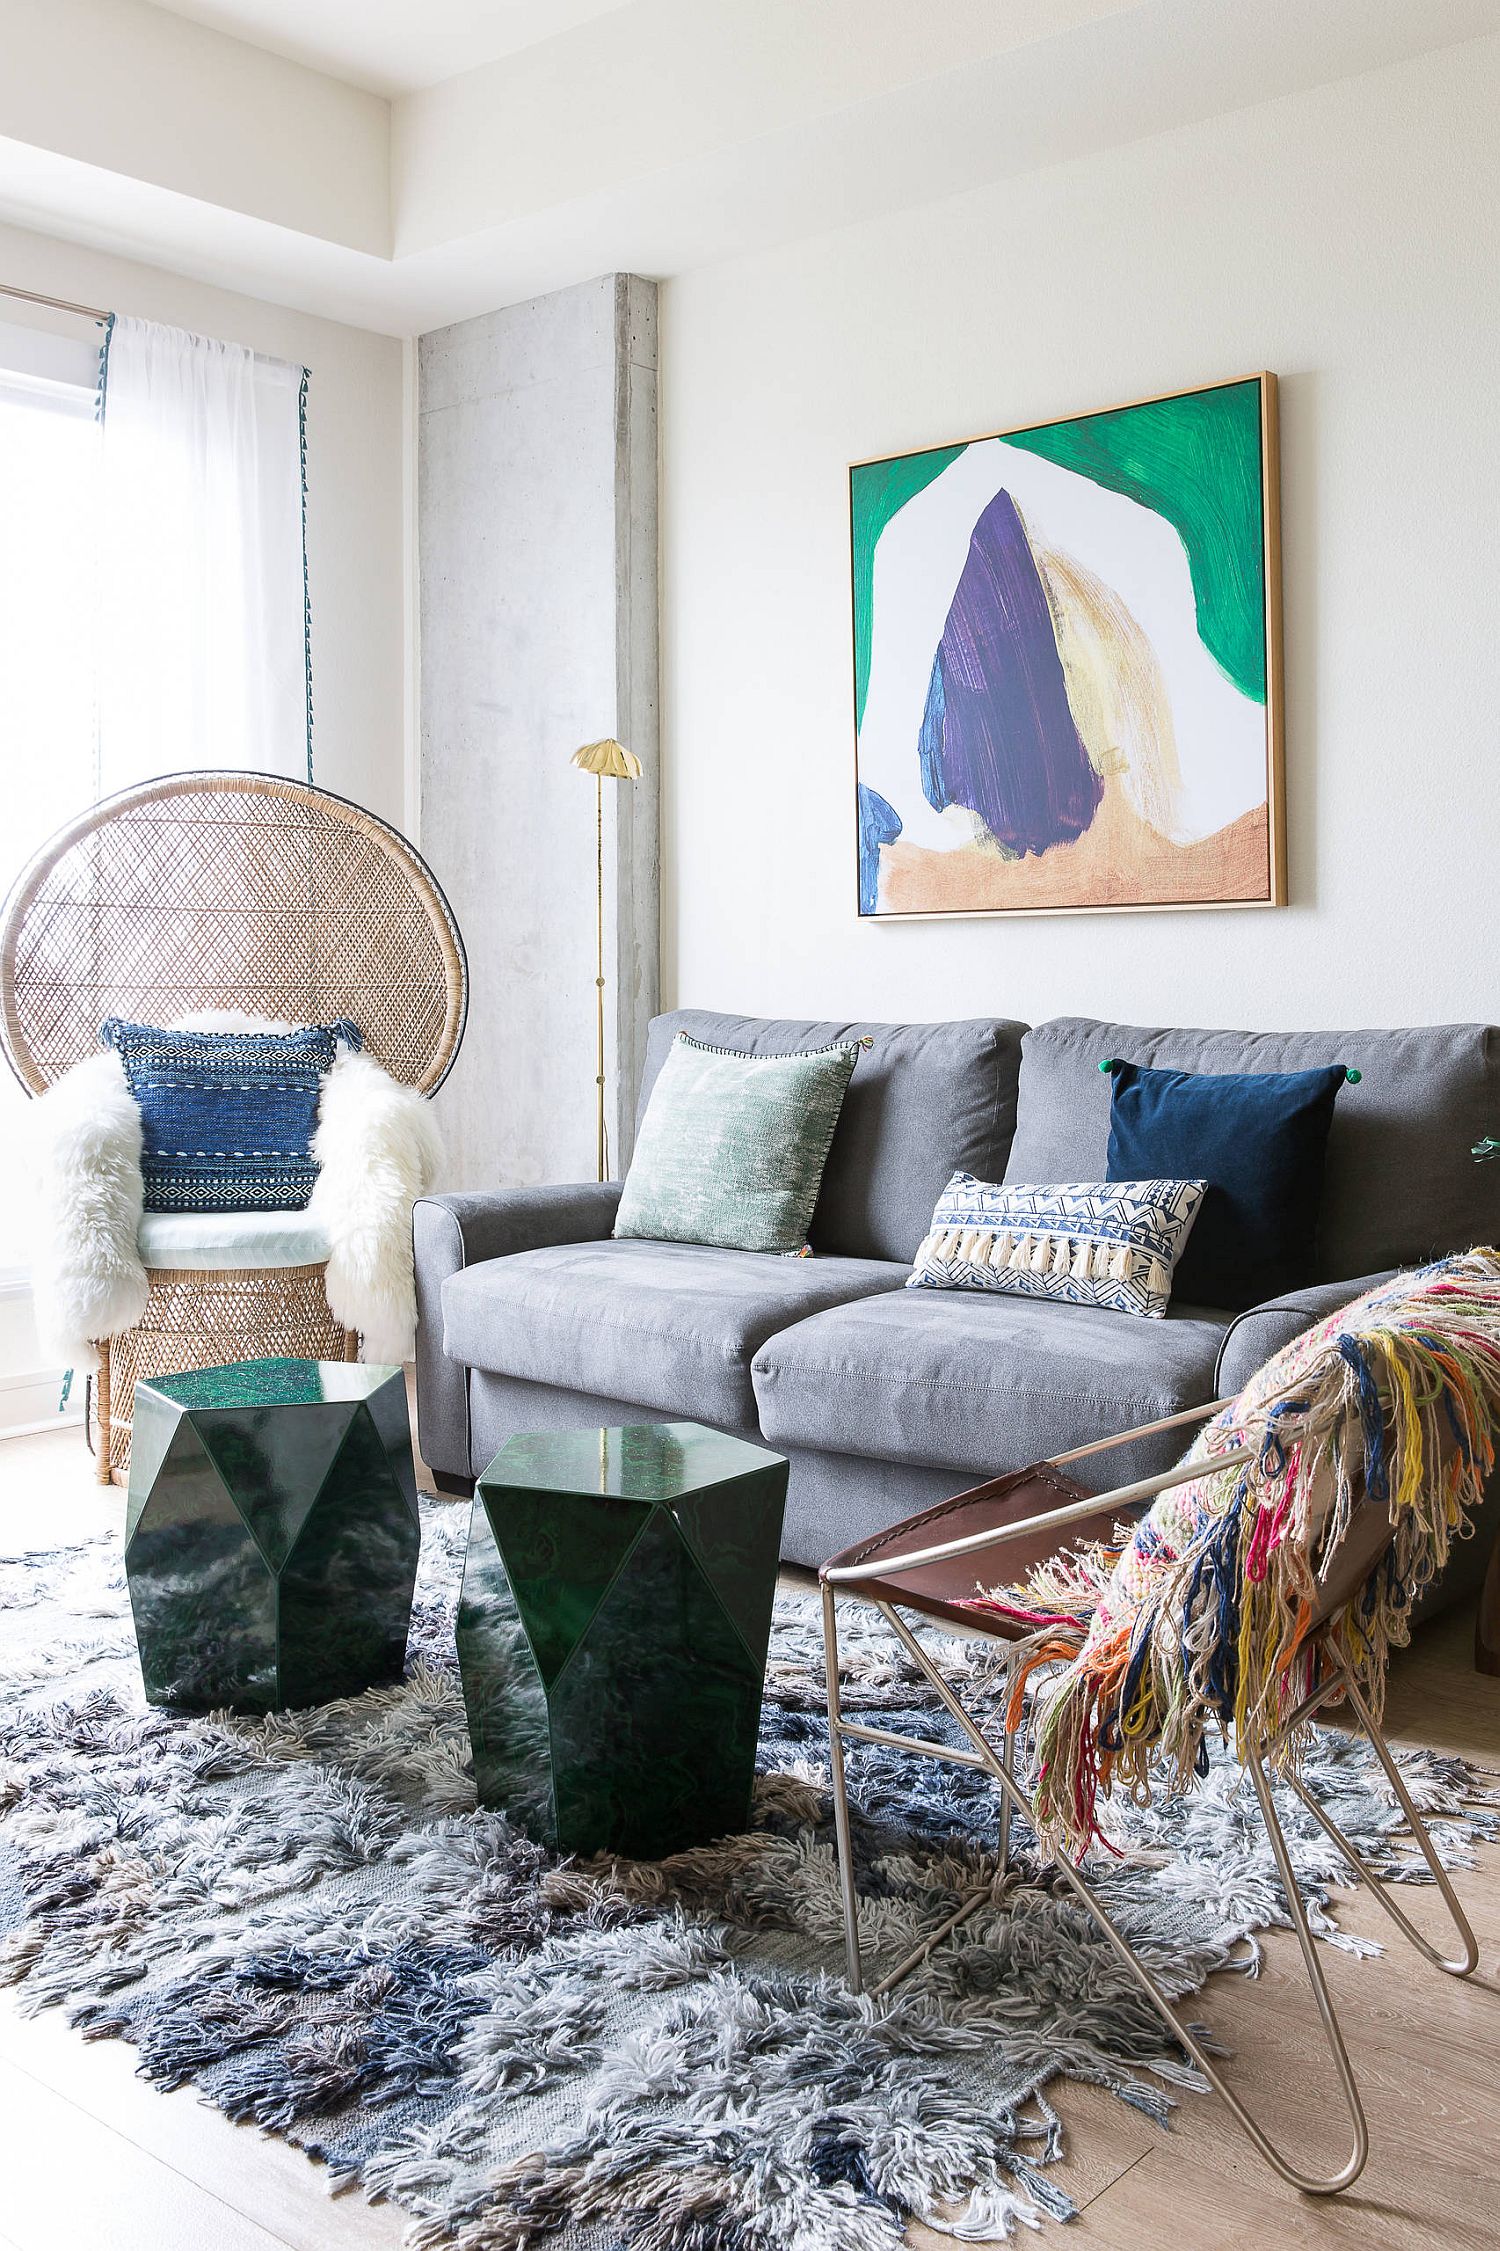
998	734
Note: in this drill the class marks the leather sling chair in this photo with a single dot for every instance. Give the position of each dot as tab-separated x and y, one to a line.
927	1564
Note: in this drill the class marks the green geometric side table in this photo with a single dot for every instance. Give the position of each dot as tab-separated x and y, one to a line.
271	1533
612	1633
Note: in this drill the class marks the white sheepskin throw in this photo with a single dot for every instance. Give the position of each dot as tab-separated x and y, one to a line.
378	1151
87	1278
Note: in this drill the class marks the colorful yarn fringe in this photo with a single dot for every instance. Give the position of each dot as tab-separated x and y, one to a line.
1225	1603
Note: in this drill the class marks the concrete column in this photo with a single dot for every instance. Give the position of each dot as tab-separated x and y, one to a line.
537	553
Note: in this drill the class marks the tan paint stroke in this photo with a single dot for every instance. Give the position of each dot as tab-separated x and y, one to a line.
1119	861
1115	688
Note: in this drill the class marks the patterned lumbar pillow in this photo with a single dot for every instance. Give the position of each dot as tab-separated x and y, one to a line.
732	1147
227	1118
1111	1244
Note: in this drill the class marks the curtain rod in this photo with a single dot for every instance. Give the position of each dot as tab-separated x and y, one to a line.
58	304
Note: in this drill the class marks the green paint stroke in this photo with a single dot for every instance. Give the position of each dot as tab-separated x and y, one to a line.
1196	461
877	489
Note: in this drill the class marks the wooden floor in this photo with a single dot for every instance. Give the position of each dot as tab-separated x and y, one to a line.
92	2159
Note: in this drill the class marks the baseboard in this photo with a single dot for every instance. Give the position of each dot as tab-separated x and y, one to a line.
28	1402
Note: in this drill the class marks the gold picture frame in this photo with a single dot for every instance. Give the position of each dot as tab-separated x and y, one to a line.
1097	605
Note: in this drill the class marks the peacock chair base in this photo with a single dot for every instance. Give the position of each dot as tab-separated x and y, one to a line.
199	1318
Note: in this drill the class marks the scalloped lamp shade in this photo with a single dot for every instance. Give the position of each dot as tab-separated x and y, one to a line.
610	759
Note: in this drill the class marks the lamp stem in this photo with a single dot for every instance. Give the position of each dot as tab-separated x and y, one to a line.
601	1136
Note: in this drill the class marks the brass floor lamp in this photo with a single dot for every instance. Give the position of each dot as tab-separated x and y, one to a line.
607	760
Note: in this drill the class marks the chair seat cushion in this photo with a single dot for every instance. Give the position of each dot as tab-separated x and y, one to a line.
230	1241
671	1327
980	1382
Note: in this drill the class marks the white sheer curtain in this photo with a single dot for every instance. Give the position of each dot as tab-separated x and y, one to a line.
202	619
49	505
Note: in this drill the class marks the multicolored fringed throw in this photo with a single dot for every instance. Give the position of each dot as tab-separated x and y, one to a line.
1225	1602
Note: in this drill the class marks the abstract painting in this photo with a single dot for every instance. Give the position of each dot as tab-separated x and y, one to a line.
1066	664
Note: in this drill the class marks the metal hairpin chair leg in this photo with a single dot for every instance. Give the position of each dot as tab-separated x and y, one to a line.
838	1729
1003	1772
1468	1961
841	1729
1000	1765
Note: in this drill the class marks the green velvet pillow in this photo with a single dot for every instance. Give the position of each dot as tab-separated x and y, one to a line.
732	1147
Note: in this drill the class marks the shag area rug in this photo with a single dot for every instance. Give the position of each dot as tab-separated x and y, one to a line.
306	1917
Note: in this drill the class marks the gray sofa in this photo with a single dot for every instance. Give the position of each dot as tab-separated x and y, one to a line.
885	1400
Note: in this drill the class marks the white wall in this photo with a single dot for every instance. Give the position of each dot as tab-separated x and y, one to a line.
1345	238
355	435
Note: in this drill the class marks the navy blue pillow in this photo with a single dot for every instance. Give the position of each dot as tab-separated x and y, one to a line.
1258	1139
227	1118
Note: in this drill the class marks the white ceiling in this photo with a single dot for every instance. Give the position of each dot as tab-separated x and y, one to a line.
401	164
391	46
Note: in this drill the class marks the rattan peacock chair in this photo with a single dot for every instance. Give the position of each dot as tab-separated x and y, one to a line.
231	891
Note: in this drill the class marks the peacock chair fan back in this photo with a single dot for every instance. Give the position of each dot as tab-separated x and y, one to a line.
232	890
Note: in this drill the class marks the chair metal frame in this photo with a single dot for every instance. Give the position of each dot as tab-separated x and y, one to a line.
1000	1765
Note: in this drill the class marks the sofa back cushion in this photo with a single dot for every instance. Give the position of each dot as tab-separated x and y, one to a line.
925	1101
1401	1185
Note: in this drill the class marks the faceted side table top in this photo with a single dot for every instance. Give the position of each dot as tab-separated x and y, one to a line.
641	1462
273	1383
612	1632
271	1532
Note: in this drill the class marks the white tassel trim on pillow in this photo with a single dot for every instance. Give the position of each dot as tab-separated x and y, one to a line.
87	1278
378	1151
1082	1259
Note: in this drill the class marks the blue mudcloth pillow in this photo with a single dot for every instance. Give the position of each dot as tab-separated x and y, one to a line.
1258	1139
227	1118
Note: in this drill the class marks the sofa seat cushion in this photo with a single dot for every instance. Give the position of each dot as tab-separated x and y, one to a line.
670	1326
980	1382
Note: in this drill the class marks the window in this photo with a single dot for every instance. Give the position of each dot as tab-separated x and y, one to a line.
49	479
153	584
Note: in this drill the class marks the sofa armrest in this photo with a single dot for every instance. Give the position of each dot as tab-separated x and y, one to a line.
1254	1335
452	1232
